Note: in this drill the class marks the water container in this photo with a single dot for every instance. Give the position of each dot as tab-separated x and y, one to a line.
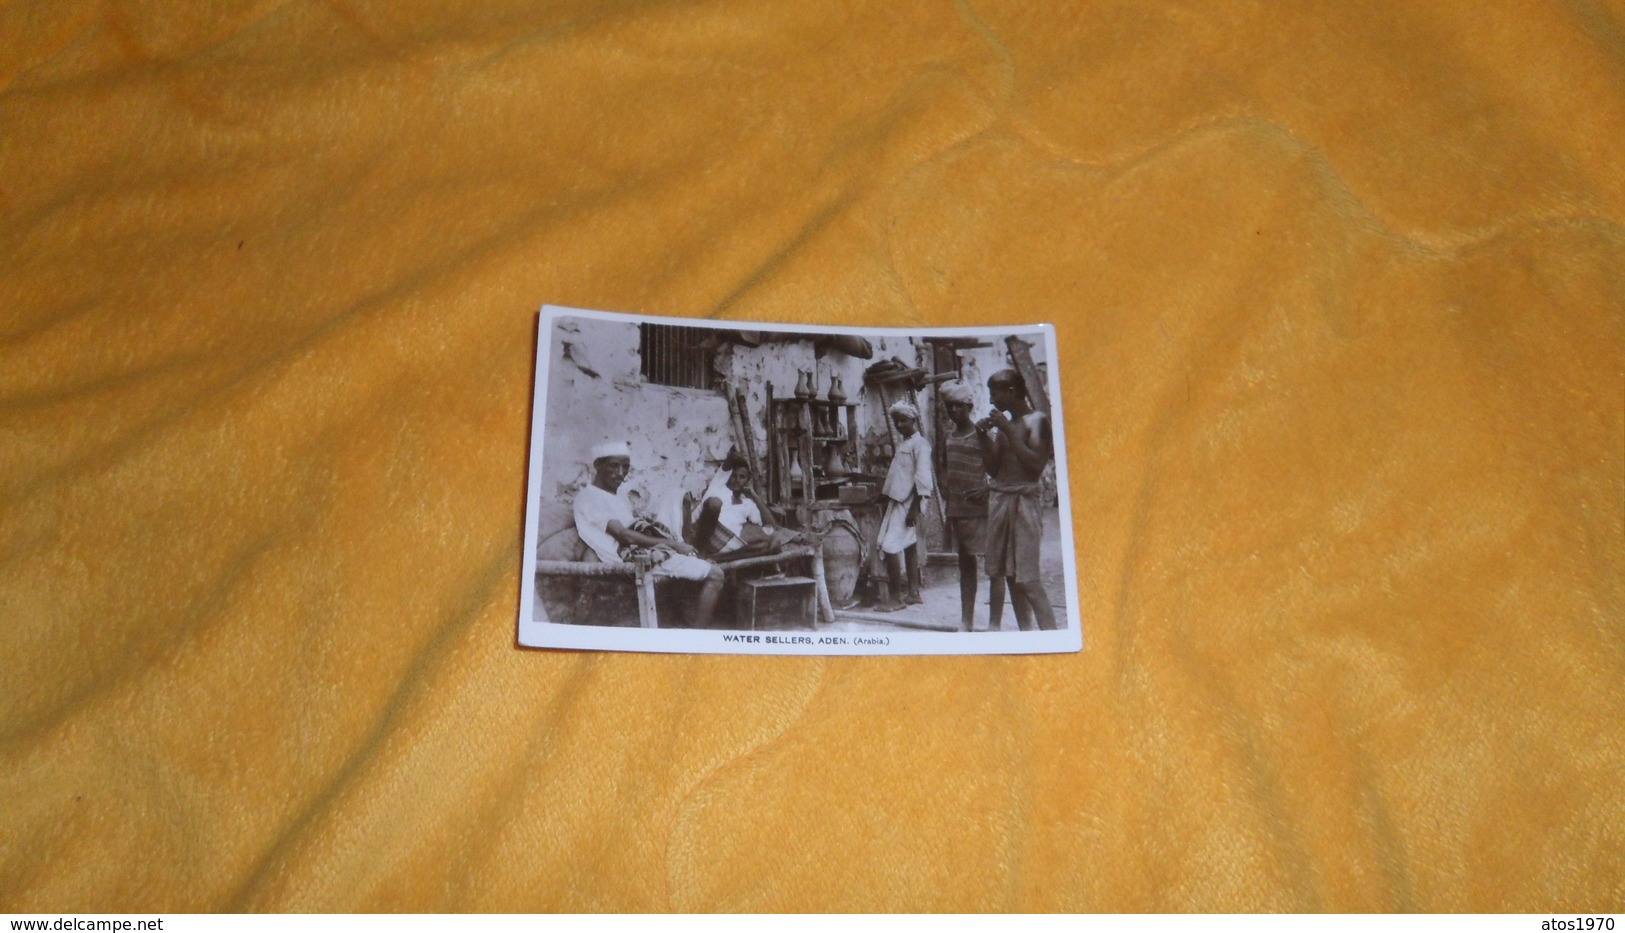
841	549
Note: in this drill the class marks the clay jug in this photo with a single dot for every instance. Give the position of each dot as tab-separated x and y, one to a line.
836	393
804	386
796	475
842	548
834	466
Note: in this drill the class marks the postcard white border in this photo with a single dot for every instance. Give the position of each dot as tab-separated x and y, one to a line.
534	634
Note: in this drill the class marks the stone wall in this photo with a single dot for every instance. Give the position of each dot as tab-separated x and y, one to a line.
596	392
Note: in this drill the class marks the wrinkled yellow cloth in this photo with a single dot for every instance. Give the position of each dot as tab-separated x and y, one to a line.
1339	290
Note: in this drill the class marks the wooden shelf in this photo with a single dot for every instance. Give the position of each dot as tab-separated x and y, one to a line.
799	444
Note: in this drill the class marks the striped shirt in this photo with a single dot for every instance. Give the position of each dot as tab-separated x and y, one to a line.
964	472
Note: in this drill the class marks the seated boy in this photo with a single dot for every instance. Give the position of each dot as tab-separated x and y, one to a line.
728	522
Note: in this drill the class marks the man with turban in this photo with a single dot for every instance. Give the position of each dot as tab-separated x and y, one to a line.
966	453
606	524
907	483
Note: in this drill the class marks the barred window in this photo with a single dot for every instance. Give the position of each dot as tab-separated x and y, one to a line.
677	356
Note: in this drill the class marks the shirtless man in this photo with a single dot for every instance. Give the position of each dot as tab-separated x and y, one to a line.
604	520
1016	456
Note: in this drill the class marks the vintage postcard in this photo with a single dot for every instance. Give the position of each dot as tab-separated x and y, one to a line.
745	488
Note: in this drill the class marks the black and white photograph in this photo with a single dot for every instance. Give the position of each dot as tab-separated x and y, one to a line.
738	487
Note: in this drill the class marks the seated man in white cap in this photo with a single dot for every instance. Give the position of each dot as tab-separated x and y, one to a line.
908	482
606	524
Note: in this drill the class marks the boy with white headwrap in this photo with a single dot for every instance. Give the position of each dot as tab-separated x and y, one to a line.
908	482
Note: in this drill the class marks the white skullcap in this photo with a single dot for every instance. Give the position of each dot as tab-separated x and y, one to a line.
959	391
611	449
904	408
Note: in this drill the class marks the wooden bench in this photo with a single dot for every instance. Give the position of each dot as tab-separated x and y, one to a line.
643	581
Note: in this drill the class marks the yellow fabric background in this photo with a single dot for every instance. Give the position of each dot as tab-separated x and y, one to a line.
1341	298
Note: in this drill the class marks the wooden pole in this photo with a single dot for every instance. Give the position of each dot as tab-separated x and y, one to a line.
775	468
805	453
750	445
885	401
820	585
645	580
1021	353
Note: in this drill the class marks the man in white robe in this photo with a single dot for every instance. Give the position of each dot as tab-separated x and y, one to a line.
908	483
